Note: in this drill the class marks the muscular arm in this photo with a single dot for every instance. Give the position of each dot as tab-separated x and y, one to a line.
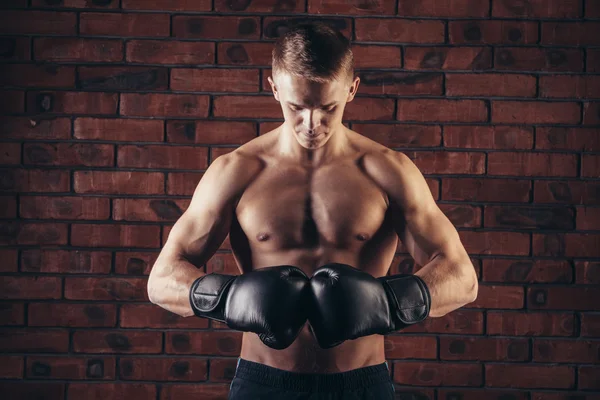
199	232
426	232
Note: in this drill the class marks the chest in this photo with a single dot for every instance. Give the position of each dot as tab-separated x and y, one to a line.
291	207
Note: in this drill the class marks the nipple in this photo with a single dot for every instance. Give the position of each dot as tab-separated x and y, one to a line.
262	236
362	237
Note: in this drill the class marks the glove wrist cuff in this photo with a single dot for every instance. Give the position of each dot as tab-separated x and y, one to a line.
208	294
409	299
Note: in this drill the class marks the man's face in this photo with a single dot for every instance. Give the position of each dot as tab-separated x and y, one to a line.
313	110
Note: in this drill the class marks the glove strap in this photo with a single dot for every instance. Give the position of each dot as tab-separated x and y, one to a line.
208	294
409	299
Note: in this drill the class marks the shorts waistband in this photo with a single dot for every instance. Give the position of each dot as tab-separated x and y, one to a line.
303	382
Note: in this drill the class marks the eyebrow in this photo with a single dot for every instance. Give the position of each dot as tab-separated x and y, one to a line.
300	106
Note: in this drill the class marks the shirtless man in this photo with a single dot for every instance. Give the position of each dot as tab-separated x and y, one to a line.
314	212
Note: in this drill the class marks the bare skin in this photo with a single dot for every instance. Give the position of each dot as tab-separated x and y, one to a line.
306	194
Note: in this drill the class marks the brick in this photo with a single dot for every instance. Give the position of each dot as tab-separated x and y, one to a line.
487	190
31	128
570	86
488	137
568	244
210	132
246	107
183	183
149	210
590	166
222	370
401	135
559	138
225	343
493	32
214	80
122	78
592	9
8	208
72	102
399	30
11	367
10	153
462	216
118	24
365	108
216	27
33	233
567	192
530	376
144	316
589	377
591	113
33	180
12	313
372	56
588	272
274	27
66	262
571	33
526	271
444	8
445	162
447	58
532	164
72	315
590	325
270	6
15	48
245	53
111	288
442	110
509	243
35	341
563	298
71	154
538	59
516	323
118	182
163	369
593	60
531	112
484	349
38	22
71	367
170	52
401	83
101	4
342	7
474	394
12	101
13	4
25	287
204	391
44	207
75	49
407	347
29	390
177	157
89	235
168	5
537	9
587	217
134	263
118	342
438	374
32	75
119	129
564	350
164	105
115	390
499	297
504	85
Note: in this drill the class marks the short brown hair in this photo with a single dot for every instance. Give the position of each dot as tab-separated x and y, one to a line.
314	51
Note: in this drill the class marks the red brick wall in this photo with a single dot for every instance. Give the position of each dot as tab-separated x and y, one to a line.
111	110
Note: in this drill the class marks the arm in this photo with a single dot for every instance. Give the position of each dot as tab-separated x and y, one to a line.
426	232
199	232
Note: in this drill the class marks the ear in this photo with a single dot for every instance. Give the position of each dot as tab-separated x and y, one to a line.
273	88
353	89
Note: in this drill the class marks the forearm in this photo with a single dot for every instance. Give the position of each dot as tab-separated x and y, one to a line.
452	284
169	285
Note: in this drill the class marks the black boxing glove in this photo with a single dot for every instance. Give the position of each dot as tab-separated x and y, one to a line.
269	301
348	303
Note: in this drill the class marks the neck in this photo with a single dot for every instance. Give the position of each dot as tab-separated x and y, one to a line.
290	148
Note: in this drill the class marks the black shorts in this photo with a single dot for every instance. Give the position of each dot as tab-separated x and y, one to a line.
260	382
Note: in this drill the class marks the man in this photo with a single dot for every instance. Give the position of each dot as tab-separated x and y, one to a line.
314	211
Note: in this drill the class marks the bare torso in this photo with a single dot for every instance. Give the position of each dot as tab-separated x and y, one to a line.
305	216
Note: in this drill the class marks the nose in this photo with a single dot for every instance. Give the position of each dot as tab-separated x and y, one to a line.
310	119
